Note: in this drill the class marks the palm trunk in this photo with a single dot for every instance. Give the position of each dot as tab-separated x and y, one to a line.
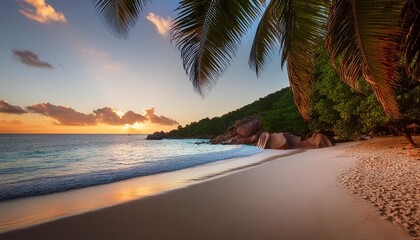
407	134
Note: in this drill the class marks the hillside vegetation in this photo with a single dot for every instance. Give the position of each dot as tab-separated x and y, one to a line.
277	111
334	107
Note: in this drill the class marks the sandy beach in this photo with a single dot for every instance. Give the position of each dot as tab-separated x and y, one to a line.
387	173
294	197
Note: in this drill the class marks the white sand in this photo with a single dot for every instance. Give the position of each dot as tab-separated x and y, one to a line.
387	173
296	197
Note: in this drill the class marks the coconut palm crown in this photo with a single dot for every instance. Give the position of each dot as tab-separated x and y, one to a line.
365	38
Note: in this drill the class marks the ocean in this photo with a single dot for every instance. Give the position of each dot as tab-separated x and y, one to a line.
33	165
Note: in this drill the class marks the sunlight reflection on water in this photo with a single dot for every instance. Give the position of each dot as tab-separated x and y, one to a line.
32	165
33	210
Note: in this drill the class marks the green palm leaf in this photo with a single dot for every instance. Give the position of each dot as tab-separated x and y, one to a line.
208	33
362	35
120	15
268	36
296	26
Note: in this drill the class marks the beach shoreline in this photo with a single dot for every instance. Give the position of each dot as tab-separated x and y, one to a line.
295	197
27	212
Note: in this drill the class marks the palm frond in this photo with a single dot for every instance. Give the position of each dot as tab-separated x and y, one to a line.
120	15
361	35
309	27
267	37
208	33
411	37
296	26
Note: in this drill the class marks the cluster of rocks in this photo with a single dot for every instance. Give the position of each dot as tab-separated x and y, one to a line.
249	131
244	131
161	135
289	141
156	136
278	140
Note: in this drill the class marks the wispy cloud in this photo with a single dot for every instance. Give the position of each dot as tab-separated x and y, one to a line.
103	58
30	58
162	120
64	115
163	25
6	107
40	11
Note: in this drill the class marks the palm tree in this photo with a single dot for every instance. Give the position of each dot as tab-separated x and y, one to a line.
367	38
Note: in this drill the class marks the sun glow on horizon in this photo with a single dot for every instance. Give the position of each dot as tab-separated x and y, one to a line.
136	126
75	77
34	124
52	118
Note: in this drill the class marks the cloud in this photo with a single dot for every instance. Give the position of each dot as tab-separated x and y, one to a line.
41	12
163	25
153	118
6	107
64	115
109	116
104	58
29	58
131	118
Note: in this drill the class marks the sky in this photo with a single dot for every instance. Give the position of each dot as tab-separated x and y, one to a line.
63	71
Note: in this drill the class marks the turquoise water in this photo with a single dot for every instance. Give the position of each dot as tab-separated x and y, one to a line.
32	165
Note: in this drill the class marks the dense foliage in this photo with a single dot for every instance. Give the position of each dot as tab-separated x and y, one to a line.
284	116
349	113
338	108
277	111
335	107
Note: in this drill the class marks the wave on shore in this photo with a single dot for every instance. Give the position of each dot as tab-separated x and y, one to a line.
60	167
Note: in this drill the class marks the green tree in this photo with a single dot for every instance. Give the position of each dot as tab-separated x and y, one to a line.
368	38
349	113
277	112
337	107
284	117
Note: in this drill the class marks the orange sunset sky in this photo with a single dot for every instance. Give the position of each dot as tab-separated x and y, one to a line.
63	71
